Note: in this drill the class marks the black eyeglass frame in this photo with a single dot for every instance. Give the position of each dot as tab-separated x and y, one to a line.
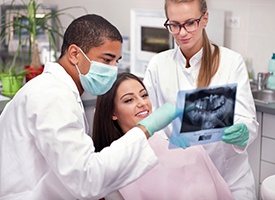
183	25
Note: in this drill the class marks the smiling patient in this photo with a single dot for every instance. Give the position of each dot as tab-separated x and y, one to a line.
180	173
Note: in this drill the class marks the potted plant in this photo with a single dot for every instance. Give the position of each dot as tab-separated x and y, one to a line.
11	76
31	21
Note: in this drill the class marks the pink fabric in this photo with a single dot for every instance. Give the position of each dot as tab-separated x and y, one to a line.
181	174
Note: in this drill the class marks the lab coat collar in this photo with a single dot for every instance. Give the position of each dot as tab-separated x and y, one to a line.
59	72
194	61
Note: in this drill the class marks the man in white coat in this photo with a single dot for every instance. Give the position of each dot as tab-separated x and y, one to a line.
45	152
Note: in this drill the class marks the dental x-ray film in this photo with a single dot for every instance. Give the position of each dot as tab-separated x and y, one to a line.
205	113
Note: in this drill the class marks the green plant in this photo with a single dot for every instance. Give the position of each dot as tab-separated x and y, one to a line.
12	77
29	19
12	68
8	70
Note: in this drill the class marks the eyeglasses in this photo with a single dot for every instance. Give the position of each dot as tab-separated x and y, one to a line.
189	26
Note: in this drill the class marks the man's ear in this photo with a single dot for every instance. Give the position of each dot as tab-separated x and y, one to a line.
73	53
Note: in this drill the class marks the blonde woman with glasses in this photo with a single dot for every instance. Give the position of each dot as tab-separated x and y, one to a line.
197	63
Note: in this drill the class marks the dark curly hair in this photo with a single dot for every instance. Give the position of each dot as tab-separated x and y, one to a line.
89	31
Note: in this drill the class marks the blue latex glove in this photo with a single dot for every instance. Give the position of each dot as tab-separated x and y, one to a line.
179	141
236	134
160	118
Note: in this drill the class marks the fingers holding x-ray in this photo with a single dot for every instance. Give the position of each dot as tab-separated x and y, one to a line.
205	113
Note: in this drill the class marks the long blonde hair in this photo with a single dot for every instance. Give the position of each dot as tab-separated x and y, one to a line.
210	60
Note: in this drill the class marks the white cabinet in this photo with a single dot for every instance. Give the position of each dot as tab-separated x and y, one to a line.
148	37
262	150
268	147
254	154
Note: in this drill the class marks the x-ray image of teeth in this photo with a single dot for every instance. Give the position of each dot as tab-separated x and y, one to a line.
208	108
205	113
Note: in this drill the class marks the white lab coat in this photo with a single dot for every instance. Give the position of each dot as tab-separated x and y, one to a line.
166	75
45	152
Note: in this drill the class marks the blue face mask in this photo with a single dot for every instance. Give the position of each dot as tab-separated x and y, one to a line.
99	79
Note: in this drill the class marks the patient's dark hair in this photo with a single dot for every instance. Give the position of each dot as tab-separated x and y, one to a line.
89	31
105	129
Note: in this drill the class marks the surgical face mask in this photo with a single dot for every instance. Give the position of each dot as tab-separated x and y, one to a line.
99	79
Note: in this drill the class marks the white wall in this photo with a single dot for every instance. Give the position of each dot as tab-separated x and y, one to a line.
255	39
